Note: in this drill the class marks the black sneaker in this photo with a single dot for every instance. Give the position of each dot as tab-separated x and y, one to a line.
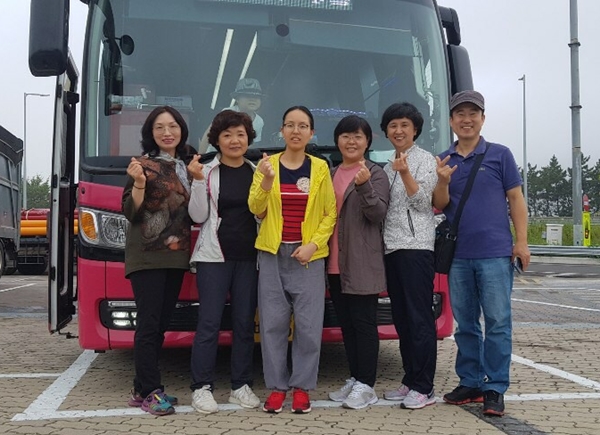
461	395
493	403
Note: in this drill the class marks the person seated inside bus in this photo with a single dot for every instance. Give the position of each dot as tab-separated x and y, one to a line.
225	260
248	99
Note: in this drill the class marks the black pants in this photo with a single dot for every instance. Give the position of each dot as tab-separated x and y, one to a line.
215	281
357	315
410	276
156	292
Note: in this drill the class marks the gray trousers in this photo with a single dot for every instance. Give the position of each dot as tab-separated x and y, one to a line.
286	287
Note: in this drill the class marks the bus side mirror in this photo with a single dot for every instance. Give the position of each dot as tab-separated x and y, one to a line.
461	77
451	24
48	37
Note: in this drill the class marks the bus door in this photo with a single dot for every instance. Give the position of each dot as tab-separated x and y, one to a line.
61	295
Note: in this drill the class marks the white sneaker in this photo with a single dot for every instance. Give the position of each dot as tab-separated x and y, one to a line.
341	394
245	397
416	400
360	397
398	394
203	401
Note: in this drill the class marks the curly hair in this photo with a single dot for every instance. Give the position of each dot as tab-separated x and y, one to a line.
149	145
230	118
399	111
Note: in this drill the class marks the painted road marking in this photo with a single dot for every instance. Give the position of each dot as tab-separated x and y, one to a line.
554	288
584	382
556	305
45	407
15	288
29	375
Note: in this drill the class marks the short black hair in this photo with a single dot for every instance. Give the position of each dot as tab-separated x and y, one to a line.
302	109
399	111
229	118
350	124
149	145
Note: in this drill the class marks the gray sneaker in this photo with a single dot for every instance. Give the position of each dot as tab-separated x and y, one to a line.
341	394
203	401
360	397
398	394
245	397
416	400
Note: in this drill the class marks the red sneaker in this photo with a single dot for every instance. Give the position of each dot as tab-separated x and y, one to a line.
300	402
274	403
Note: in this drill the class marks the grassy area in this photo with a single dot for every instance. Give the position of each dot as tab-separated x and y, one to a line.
536	233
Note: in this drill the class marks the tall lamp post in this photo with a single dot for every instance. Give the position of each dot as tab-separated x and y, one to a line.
576	126
525	148
24	174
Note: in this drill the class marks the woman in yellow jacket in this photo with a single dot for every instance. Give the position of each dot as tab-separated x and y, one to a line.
293	193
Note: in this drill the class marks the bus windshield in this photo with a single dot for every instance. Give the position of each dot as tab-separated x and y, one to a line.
335	57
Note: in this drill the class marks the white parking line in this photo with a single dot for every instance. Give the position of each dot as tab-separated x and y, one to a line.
45	407
553	288
585	382
556	305
15	288
29	375
47	404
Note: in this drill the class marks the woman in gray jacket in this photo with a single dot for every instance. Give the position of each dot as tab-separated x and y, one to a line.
356	268
408	234
225	260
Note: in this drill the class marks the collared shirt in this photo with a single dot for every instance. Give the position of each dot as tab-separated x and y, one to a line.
484	227
409	223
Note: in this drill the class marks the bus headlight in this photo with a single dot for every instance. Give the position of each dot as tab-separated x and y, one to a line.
103	228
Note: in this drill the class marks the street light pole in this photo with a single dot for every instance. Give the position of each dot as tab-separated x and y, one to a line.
525	168
24	167
576	127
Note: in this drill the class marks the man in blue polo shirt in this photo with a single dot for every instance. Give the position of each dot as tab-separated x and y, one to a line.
481	275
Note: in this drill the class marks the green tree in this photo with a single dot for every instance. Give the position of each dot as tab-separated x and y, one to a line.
38	192
556	190
534	190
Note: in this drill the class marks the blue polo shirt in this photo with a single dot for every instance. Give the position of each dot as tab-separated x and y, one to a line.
484	228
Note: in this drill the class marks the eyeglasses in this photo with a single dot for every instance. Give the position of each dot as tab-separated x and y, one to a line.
302	127
161	129
357	137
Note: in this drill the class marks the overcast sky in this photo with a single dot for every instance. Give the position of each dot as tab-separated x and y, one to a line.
505	40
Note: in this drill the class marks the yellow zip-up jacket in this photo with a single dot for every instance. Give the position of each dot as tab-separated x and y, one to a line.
319	218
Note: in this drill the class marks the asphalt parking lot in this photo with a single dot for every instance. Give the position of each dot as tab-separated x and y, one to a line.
51	386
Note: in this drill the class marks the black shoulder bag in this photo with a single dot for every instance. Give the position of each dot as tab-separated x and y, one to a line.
446	234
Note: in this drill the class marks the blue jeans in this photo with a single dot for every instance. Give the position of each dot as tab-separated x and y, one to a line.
476	286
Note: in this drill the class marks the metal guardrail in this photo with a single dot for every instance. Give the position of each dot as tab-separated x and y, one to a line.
564	251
